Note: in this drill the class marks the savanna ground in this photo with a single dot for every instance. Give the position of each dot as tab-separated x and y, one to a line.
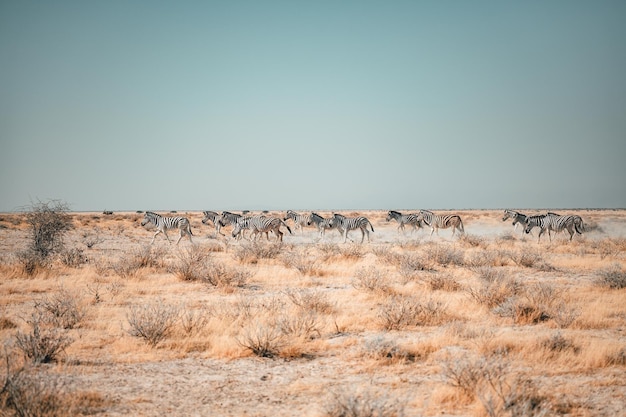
491	323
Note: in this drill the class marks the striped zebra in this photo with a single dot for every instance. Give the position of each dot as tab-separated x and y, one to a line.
260	224
403	219
299	220
554	222
518	218
345	224
214	218
437	222
321	223
163	224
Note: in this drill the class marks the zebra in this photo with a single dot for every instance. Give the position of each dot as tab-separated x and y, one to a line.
261	224
345	224
403	219
437	222
557	223
518	218
299	220
163	224
321	223
215	218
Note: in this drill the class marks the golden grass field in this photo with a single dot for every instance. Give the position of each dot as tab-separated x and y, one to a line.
491	323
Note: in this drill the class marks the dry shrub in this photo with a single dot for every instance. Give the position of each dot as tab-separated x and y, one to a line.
301	323
443	255
42	345
48	223
192	264
152	322
351	252
613	277
61	309
441	282
495	292
490	273
370	279
472	241
557	343
310	300
305	264
400	312
410	265
254	251
32	393
218	274
73	258
530	259
347	403
535	304
389	351
486	258
464	373
194	321
264	340
146	256
503	392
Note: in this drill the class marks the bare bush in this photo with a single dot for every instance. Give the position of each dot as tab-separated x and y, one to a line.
48	223
220	275
42	345
254	251
145	256
505	393
443	255
61	309
34	394
494	293
613	277
399	312
194	321
534	304
557	343
530	259
264	340
464	373
303	263
370	279
152	322
364	404
73	257
302	323
441	282
310	300
192	264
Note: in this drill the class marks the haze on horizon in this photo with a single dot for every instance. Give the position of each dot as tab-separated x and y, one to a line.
322	105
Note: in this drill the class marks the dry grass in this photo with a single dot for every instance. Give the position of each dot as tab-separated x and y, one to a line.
490	323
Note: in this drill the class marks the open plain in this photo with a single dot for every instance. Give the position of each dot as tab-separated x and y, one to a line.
488	323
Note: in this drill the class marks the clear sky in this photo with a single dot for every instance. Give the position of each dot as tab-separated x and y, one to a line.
212	105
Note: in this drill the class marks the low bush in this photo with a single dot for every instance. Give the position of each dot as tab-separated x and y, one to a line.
613	277
42	345
152	322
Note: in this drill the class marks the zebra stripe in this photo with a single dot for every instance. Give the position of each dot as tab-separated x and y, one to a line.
299	220
215	218
518	218
260	224
403	219
445	221
163	224
557	223
345	224
321	223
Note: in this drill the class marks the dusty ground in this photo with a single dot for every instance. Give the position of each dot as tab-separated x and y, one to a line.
349	352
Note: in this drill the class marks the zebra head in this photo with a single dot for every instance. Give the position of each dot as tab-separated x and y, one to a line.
209	215
532	221
148	217
392	214
507	215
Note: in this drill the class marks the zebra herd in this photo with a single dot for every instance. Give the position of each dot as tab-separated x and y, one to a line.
257	225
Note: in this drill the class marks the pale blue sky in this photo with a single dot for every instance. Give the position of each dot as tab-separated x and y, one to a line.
199	105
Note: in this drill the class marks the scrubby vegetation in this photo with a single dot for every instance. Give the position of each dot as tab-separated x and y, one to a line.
486	324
